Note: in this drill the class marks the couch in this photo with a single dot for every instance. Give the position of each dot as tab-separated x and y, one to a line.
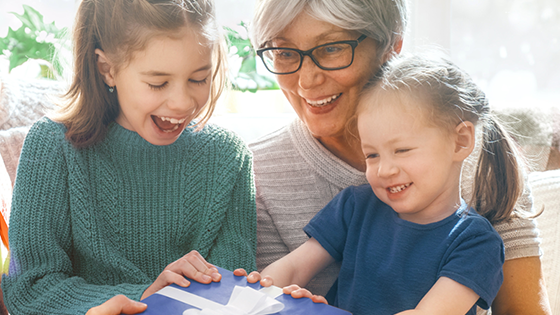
536	130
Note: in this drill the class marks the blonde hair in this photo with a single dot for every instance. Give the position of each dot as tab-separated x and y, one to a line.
121	28
450	97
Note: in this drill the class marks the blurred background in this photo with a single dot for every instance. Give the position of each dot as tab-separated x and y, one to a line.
510	47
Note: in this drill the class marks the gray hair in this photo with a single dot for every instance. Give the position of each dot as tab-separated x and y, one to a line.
382	20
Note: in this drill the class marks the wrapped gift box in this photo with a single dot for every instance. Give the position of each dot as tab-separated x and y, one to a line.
226	297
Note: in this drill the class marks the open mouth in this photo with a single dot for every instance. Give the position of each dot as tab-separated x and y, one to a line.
396	189
323	102
167	124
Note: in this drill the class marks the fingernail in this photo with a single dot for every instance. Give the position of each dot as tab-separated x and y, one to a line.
216	276
206	278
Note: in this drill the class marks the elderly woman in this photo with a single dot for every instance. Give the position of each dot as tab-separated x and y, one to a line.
323	52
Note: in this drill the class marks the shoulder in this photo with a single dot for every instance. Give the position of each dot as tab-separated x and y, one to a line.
520	236
45	132
475	226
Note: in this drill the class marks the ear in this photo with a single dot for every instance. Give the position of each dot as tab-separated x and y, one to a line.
395	50
464	140
105	67
398	46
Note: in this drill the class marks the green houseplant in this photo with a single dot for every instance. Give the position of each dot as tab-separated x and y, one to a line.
246	77
35	40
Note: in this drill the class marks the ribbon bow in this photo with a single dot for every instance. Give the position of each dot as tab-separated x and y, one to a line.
243	301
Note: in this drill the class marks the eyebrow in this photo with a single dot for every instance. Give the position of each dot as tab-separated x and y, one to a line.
155	73
320	37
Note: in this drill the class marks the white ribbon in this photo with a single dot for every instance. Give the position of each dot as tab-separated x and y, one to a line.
243	301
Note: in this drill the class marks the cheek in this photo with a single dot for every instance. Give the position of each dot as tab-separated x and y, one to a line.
286	82
202	94
371	174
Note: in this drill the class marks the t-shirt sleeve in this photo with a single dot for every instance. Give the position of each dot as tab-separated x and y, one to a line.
475	259
330	225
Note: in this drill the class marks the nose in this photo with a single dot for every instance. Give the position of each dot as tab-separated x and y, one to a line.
387	168
310	75
182	101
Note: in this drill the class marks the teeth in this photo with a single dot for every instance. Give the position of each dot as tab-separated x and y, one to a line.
171	130
323	102
397	189
173	120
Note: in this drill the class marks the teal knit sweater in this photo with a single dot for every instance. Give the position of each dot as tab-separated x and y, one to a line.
88	224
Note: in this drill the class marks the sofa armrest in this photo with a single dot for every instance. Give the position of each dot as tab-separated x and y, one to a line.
545	187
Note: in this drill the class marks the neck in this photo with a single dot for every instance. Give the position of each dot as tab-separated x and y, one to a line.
347	150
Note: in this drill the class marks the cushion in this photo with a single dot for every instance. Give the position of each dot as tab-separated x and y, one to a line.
532	129
22	102
11	142
545	187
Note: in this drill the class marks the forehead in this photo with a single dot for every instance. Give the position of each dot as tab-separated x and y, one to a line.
185	49
393	111
309	31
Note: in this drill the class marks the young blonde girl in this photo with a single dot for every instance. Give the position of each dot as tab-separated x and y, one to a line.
123	191
407	242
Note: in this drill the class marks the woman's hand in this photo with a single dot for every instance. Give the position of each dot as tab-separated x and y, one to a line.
297	293
192	265
254	276
117	305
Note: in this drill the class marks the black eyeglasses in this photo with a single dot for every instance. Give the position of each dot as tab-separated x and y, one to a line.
331	56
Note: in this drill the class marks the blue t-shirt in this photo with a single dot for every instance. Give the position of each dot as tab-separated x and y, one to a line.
389	264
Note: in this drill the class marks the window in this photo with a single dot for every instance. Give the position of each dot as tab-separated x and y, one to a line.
510	47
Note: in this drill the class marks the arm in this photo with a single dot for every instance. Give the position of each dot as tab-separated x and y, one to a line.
300	266
523	290
41	279
446	297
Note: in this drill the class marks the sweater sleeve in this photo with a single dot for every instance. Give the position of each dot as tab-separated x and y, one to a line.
235	244
41	278
270	246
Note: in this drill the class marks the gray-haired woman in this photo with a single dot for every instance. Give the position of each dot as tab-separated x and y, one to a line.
301	167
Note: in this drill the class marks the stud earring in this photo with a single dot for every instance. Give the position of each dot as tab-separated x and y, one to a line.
111	89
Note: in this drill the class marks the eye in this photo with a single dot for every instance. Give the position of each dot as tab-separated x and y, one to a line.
199	82
402	150
372	156
157	87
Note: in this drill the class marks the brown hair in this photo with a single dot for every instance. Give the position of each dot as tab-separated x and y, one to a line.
454	97
120	28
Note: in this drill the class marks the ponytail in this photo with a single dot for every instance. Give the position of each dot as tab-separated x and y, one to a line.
498	182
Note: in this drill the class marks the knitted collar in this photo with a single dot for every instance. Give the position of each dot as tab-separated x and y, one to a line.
321	160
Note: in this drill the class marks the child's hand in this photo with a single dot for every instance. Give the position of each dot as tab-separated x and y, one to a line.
118	304
192	265
254	276
297	293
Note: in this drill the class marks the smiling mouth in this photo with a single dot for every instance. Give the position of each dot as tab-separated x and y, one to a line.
167	124
396	189
323	102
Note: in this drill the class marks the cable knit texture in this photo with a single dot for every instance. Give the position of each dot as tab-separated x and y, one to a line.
296	177
92	223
